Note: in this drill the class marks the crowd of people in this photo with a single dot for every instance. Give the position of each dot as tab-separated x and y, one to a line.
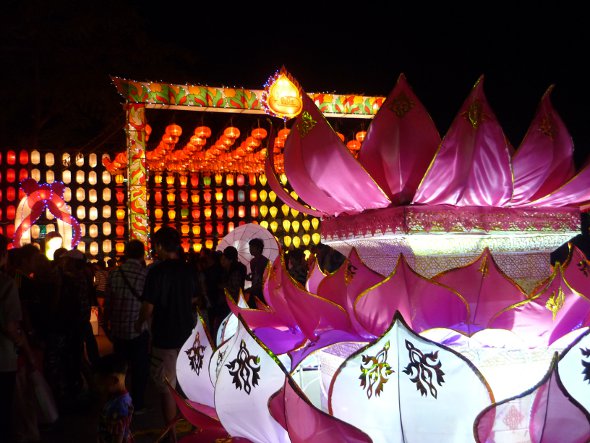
147	309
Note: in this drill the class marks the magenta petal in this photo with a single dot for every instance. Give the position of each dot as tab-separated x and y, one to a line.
400	143
424	304
544	414
485	287
322	170
307	424
544	161
472	166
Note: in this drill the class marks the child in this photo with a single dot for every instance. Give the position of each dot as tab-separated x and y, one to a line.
114	424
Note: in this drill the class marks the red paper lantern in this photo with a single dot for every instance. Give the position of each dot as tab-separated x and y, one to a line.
203	131
10	175
360	136
23	157
220	228
208	228
11	157
232	132
174	130
230	212
219	212
259	133
120	230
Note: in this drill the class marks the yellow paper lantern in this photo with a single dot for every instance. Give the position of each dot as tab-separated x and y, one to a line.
286	225
296	241
273	211
272	196
264	224
315	222
295	225
287	241
274	225
263	210
263	195
262	179
196	230
294	195
172	214
306	224
316	238
306	239
283	179
294	212
285	210
209	243
120	247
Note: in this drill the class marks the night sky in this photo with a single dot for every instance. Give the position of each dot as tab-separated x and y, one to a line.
441	49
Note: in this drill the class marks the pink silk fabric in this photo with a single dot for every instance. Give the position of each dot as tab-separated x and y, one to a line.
485	287
323	172
400	144
308	424
546	414
551	312
424	303
472	166
544	161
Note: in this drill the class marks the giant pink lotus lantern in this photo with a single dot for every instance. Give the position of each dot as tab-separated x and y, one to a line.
446	321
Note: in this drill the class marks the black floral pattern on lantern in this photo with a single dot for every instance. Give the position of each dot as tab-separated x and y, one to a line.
245	369
586	364
424	369
196	354
584	267
220	357
375	371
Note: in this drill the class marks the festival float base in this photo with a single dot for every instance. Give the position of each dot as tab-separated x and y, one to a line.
436	239
421	335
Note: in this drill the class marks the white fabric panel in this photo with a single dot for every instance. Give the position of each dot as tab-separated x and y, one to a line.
377	414
192	366
241	399
218	358
574	376
446	405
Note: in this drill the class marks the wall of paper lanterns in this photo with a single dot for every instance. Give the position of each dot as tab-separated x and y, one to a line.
202	206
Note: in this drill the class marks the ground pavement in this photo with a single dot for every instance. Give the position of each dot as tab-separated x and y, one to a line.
78	421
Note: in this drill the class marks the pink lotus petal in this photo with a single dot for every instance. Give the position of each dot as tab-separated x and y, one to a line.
322	170
426	304
472	166
400	143
308	424
544	161
544	414
485	287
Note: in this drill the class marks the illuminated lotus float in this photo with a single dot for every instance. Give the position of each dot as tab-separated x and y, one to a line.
463	355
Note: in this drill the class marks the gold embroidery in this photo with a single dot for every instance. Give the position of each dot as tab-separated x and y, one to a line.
484	269
375	371
306	124
401	105
555	302
546	127
474	114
